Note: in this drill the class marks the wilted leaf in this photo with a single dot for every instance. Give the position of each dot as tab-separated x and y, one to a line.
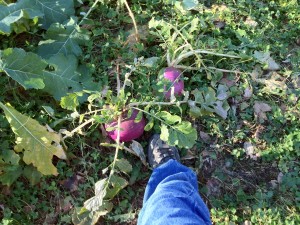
85	217
139	151
248	92
265	58
250	22
94	203
274	85
260	110
249	149
34	141
123	165
63	39
116	184
220	110
71	183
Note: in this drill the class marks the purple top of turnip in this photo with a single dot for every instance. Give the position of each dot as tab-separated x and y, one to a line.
130	130
172	74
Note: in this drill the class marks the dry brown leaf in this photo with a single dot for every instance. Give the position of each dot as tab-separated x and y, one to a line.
205	137
260	109
248	92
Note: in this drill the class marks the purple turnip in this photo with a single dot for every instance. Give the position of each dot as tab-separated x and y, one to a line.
129	129
172	74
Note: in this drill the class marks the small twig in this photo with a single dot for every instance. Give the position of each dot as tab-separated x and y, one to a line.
133	20
200	51
118	80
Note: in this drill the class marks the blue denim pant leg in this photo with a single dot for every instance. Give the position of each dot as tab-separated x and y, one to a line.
172	197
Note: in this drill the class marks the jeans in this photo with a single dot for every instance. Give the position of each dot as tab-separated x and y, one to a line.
172	197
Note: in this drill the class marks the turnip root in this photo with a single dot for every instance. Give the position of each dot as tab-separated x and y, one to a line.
172	75
129	129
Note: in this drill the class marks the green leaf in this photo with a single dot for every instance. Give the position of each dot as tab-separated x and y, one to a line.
117	183
63	39
37	143
32	174
183	135
85	217
10	169
55	11
36	83
12	15
150	62
149	125
168	117
70	101
195	111
189	4
21	66
123	165
29	70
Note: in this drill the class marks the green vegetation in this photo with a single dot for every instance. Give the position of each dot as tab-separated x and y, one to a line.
69	67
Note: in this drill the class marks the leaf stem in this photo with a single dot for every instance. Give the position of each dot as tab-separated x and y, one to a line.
208	67
200	51
155	103
133	20
78	128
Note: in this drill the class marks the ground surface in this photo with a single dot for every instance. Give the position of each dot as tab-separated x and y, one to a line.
247	152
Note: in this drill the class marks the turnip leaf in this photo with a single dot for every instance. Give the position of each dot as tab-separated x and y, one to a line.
63	39
55	11
12	14
58	76
37	143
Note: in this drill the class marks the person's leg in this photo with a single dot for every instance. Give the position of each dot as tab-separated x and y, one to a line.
172	197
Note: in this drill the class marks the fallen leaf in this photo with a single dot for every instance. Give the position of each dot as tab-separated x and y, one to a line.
71	183
228	81
247	222
205	137
280	177
258	132
260	109
274	84
265	58
138	149
213	187
249	149
248	92
219	24
250	22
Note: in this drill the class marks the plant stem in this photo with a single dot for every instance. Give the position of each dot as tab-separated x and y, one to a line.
208	67
79	127
133	20
155	103
200	51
